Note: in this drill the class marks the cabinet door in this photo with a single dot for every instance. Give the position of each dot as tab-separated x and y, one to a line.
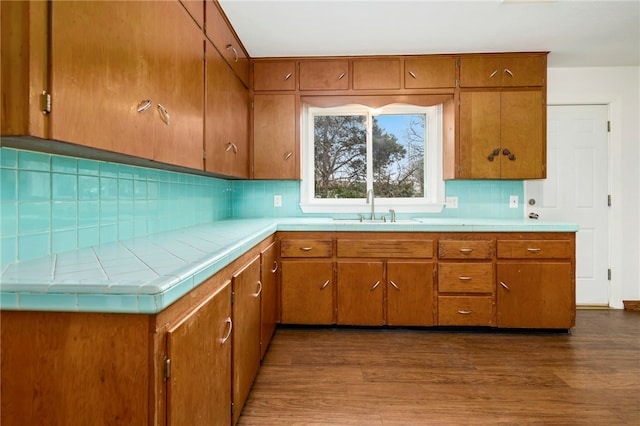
324	75
269	298
274	137
247	290
480	142
360	293
278	75
97	87
307	292
410	293
523	144
427	73
503	71
222	36
376	74
524	71
199	347
226	119
481	71
536	295
178	93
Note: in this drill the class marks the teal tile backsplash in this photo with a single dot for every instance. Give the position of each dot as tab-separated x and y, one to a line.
53	203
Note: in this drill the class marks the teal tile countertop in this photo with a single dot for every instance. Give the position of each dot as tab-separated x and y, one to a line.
147	274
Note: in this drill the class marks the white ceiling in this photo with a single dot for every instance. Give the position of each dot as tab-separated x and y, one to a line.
585	33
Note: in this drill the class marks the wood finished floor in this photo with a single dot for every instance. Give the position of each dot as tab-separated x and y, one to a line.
412	377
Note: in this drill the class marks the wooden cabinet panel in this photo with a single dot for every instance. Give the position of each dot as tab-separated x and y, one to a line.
418	249
376	74
465	249
465	310
276	75
226	140
199	347
305	248
360	293
536	295
466	278
196	10
429	72
274	137
221	34
410	295
324	75
307	292
246	332
502	135
269	271
502	71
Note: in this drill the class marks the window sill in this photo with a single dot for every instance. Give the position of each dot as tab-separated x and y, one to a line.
381	207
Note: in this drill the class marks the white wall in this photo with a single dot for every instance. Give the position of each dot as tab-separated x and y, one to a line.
618	87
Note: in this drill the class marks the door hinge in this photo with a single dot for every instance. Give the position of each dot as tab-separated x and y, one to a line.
609	274
609	200
45	102
167	368
233	297
609	126
204	154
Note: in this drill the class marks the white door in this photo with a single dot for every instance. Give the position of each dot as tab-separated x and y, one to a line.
576	190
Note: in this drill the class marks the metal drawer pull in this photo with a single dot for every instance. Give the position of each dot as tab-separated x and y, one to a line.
259	290
144	105
412	74
506	287
464	278
275	267
164	114
464	312
493	74
225	338
465	250
375	285
288	155
306	248
326	283
288	76
394	285
341	76
234	51
533	250
508	71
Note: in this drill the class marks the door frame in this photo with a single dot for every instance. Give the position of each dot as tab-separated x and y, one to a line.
615	185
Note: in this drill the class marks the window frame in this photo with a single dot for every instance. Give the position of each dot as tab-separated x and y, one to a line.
432	202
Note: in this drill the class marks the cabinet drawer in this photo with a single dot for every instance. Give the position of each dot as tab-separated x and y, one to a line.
421	249
305	248
462	249
535	249
324	75
465	278
277	75
463	310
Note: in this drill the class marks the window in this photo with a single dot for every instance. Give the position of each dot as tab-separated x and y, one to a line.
350	150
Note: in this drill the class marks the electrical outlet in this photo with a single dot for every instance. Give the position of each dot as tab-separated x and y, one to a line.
277	201
451	202
513	202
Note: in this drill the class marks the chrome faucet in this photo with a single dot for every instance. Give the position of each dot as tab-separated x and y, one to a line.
373	211
393	215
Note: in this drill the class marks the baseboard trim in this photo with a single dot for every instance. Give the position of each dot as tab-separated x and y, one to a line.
631	305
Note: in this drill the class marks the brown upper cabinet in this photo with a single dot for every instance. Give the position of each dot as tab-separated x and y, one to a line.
429	72
221	34
274	75
374	74
324	75
196	10
500	70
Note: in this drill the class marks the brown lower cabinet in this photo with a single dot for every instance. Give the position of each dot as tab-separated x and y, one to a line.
170	368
